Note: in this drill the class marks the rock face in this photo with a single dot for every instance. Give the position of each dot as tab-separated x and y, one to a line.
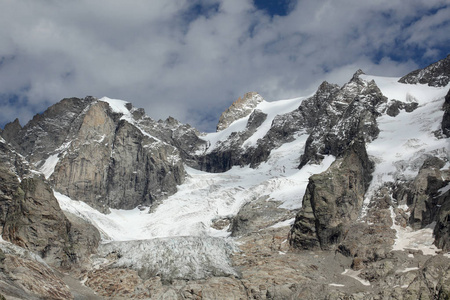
36	222
25	276
182	136
102	157
428	199
446	119
242	107
333	117
436	74
47	131
351	114
332	201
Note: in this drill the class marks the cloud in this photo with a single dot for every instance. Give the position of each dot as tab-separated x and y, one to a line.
191	59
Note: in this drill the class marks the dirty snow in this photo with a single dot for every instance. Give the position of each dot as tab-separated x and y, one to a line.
407	238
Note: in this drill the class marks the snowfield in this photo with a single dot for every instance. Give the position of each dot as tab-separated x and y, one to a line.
405	141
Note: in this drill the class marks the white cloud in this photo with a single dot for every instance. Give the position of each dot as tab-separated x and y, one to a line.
163	57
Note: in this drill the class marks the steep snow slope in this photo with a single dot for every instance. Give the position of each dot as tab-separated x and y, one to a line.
406	140
272	109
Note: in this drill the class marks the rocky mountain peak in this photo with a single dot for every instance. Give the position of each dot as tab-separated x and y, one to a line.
241	108
436	74
11	129
356	75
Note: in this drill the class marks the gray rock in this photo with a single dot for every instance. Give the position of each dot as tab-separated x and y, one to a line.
333	200
436	74
242	107
446	118
349	113
426	200
394	107
47	131
371	238
258	214
442	227
36	222
102	160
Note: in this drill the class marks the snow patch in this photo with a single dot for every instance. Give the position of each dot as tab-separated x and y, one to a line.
408	270
49	166
272	109
354	274
407	238
444	190
285	223
116	105
336	284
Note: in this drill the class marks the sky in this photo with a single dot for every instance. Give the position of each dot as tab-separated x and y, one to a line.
191	59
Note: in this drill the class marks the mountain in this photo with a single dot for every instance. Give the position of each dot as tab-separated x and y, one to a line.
343	194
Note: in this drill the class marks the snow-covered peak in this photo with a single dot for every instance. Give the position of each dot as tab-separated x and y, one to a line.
117	105
241	108
271	109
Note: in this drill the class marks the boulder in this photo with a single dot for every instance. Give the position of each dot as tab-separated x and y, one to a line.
332	201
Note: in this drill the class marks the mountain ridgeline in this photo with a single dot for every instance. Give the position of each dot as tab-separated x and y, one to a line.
111	155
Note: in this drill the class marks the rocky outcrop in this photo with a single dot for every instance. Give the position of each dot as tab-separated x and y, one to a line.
47	131
94	153
242	107
371	237
8	186
251	218
25	276
12	168
11	130
142	169
35	221
333	200
442	228
395	106
436	74
82	168
445	125
348	114
426	198
182	136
